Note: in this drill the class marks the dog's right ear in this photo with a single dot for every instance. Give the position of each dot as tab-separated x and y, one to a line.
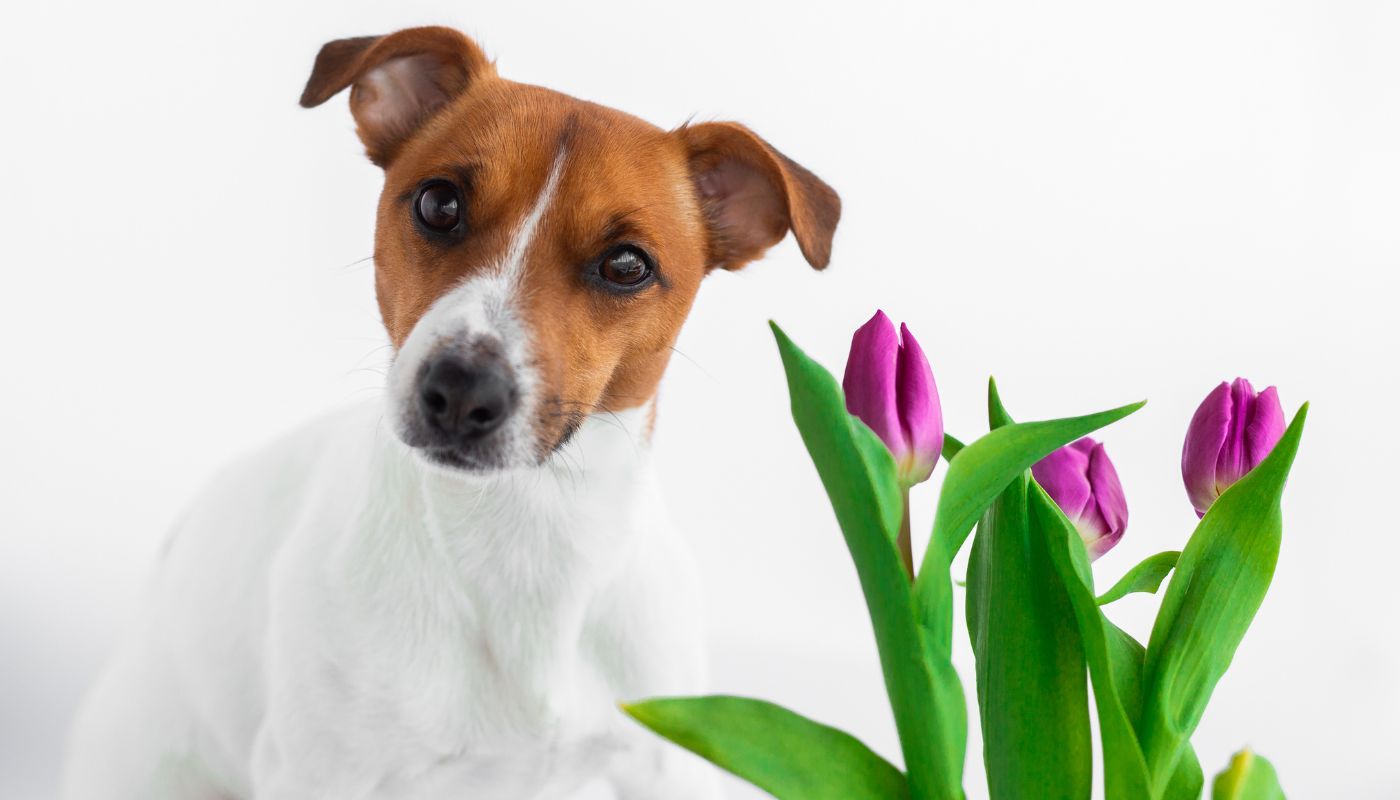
399	81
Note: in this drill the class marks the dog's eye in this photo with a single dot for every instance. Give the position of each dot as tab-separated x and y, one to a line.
626	266
438	206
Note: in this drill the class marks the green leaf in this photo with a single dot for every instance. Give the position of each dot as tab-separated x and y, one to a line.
1115	668
1147	576
859	476
1114	657
976	476
1125	656
1031	687
997	417
777	750
1219	584
1249	777
951	447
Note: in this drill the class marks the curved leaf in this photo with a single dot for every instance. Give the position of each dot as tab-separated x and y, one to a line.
859	476
1125	656
1219	584
1114	657
1147	576
777	750
1031	688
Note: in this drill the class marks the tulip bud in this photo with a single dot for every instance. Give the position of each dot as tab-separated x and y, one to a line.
890	387
1233	430
1083	483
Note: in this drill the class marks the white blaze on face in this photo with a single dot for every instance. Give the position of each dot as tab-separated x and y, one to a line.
481	310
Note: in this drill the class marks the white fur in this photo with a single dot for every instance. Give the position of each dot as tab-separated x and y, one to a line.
337	618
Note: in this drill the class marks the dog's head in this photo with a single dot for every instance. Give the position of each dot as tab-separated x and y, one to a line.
535	255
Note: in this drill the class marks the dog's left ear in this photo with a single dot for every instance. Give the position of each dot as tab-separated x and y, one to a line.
400	81
752	195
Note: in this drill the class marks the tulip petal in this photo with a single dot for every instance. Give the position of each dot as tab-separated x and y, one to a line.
870	381
1205	437
1111	505
920	413
1082	481
1266	427
1231	465
1064	475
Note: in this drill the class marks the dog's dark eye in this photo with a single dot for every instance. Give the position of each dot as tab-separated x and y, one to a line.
439	206
626	266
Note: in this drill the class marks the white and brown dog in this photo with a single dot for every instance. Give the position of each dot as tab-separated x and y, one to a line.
446	593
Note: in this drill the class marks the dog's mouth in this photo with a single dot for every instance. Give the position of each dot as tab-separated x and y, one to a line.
462	459
482	457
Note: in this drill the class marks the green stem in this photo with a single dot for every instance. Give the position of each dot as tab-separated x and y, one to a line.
905	541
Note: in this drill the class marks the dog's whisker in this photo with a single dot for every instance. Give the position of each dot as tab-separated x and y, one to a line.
694	363
356	263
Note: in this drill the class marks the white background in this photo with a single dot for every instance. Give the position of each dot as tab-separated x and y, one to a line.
1096	201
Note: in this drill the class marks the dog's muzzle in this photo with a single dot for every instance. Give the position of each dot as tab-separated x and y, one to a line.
463	400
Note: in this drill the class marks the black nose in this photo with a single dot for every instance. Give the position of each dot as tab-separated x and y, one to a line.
466	399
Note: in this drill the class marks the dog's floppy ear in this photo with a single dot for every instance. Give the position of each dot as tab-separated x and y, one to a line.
752	195
399	81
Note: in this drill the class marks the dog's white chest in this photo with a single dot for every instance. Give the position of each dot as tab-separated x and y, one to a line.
339	623
463	635
474	723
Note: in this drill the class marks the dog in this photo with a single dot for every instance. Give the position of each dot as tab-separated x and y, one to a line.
448	591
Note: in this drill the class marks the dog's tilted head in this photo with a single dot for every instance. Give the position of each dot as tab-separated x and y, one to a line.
535	254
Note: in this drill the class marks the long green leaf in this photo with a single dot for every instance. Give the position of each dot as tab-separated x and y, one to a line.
1031	690
976	476
1115	669
1031	687
1218	586
929	710
1125	657
777	750
1249	777
1147	576
1114	658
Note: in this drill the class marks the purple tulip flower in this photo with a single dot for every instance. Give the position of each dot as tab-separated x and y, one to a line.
890	387
1233	430
1083	483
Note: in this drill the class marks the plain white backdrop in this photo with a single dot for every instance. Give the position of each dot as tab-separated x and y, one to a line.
1096	201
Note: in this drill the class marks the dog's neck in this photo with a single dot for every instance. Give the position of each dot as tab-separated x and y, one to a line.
543	539
553	512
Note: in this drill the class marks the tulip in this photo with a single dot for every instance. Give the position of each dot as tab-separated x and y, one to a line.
1081	480
890	387
1233	430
